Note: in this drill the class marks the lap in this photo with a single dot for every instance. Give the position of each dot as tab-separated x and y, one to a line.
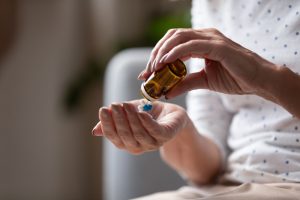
246	191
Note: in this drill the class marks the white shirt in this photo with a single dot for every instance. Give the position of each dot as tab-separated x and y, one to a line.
259	140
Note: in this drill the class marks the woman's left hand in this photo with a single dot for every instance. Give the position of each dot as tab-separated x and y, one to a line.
229	67
138	132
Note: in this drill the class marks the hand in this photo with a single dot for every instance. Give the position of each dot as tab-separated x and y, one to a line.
229	67
138	132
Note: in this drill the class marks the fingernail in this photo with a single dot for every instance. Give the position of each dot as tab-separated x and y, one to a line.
94	133
97	131
141	76
153	67
126	106
115	107
104	113
148	64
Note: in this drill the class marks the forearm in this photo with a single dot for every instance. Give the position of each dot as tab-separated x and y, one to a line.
192	155
284	88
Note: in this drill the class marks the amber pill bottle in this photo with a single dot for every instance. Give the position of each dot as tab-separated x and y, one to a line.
163	80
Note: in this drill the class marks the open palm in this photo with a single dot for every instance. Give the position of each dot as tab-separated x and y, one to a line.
138	132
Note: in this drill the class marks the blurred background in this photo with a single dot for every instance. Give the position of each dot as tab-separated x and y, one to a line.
53	55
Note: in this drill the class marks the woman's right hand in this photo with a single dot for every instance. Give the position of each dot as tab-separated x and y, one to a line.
229	67
139	132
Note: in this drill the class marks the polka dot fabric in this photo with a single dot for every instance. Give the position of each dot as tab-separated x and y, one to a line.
259	140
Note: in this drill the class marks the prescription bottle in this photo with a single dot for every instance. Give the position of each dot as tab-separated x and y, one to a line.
163	80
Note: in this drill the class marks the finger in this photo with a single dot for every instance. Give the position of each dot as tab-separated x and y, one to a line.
97	130
139	132
122	126
181	36
193	81
108	128
148	71
153	127
141	75
211	49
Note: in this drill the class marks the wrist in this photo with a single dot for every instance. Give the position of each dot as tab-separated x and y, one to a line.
278	83
171	151
270	82
181	141
193	156
285	89
186	134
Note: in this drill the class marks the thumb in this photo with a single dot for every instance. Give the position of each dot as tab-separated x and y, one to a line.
193	81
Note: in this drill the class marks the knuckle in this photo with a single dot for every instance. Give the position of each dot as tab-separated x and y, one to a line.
182	32
214	30
161	52
220	49
220	44
193	43
172	30
179	30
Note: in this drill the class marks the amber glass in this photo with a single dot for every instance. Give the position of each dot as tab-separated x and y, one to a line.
162	81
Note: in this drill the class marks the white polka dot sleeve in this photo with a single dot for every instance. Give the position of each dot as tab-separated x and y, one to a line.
209	115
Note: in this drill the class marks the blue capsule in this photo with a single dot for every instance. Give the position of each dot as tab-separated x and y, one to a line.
147	107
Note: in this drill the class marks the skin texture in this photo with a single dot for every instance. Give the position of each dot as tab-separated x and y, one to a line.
229	68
